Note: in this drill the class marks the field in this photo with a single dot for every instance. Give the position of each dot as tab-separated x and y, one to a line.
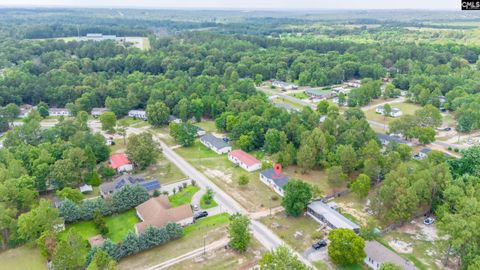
406	108
254	197
184	196
22	258
314	177
299	95
213	227
164	170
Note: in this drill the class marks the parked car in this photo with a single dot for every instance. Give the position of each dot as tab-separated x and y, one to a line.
200	215
319	244
195	207
429	221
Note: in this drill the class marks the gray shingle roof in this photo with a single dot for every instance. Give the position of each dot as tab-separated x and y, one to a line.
388	138
214	141
381	254
124	180
280	180
332	216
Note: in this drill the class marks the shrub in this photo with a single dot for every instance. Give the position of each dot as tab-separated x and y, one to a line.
156	193
184	185
193	182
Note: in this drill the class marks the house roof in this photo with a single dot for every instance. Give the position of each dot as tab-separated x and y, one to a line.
53	110
244	157
172	117
318	92
118	160
137	111
381	254
158	212
128	179
385	137
279	179
99	110
214	141
96	240
333	217
86	188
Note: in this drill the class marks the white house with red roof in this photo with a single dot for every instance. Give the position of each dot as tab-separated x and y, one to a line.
244	160
120	163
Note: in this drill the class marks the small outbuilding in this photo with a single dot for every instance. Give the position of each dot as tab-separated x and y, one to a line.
96	241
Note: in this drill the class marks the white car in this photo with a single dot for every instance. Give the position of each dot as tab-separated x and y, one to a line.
429	221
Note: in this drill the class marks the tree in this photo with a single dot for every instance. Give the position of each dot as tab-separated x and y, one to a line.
425	135
142	149
7	223
361	186
281	258
288	155
306	157
322	107
245	142
335	176
428	116
47	243
70	193
32	224
100	224
64	172
208	196
387	110
11	111
239	232
243	180
18	193
274	141
345	247
102	261
109	121
42	109
66	255
70	211
158	113
347	157
297	195
183	133
390	266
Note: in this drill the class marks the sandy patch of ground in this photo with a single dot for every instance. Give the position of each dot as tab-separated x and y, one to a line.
349	208
220	175
400	246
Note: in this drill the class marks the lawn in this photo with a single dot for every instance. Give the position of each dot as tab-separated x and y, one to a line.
406	108
184	196
204	205
208	126
93	194
314	177
214	228
299	95
118	225
287	226
254	197
129	121
164	170
22	258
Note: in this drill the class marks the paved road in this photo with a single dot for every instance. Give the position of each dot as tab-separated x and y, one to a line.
264	235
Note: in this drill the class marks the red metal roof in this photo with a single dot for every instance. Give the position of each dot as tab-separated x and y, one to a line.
244	157
118	160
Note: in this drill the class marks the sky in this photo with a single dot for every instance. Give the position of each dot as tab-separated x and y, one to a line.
245	4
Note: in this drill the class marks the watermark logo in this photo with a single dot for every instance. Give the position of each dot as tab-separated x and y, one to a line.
470	5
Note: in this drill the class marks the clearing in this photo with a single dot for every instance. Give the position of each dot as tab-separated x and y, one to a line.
184	196
22	258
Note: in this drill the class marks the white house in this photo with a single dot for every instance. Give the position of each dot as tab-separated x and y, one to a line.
215	144
58	112
395	112
244	160
284	86
377	254
325	214
96	112
25	109
422	153
274	180
138	114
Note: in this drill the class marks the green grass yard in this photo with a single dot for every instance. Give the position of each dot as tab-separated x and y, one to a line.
184	196
204	205
406	108
21	258
164	170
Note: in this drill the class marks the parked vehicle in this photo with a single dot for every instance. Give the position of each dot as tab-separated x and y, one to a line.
429	221
195	207
319	244
200	215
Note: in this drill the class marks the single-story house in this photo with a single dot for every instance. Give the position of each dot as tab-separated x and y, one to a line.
244	160
138	114
109	188
386	139
274	180
323	213
173	118
354	83
377	254
25	109
96	240
98	37
319	94
86	188
395	112
96	112
283	85
216	144
158	212
58	112
120	163
423	153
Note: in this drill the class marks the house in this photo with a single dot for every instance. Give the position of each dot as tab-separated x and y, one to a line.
158	212
25	109
98	37
354	83
138	114
319	94
58	112
120	163
244	160
283	85
216	144
96	112
323	213
200	131
377	254
274	180
96	240
109	140
86	188
395	112
173	118
109	188
386	139
423	153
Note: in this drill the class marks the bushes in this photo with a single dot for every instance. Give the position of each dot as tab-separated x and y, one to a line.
122	200
133	243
